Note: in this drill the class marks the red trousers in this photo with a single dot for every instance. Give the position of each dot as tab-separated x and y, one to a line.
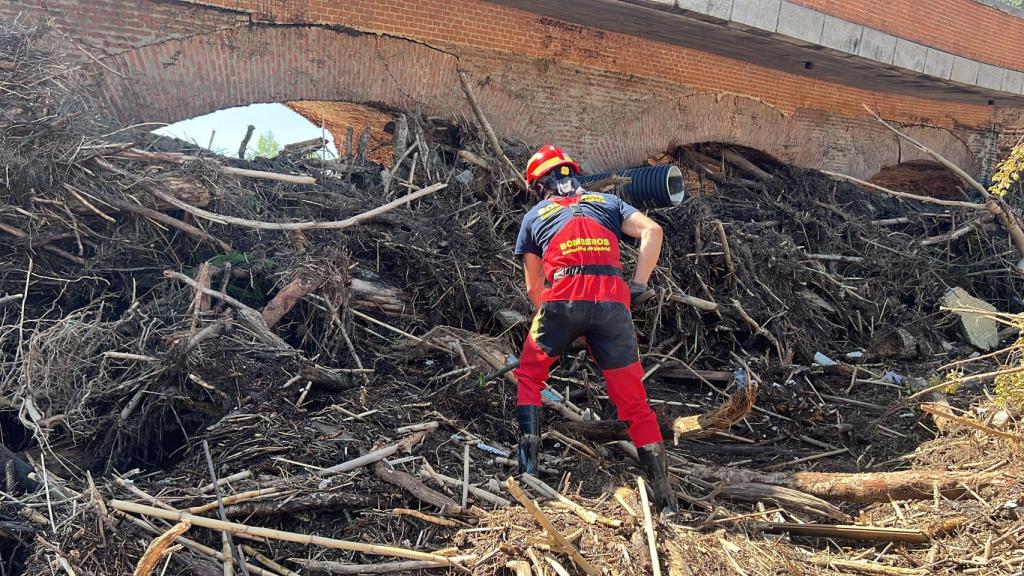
608	328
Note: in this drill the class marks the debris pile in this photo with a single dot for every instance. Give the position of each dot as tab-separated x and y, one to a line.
293	365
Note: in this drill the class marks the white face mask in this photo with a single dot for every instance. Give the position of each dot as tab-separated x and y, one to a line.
566	186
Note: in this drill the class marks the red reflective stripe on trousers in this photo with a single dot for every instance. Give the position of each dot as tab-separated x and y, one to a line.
626	391
532	374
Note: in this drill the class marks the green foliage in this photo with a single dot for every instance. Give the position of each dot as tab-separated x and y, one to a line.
266	146
1010	389
1008	172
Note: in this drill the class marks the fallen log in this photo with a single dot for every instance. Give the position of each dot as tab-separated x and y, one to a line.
785	497
856	487
418	489
739	162
848	532
376	295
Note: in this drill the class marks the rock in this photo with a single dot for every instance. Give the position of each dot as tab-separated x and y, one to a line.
1000	420
896	343
979	331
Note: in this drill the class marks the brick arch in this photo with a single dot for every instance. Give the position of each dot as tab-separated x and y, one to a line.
608	120
806	138
183	78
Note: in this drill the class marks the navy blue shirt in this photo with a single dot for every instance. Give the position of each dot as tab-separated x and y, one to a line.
545	219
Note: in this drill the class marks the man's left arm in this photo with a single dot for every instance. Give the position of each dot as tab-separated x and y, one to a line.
637	225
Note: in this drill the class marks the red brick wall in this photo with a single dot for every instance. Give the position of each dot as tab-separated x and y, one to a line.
964	27
453	24
611	97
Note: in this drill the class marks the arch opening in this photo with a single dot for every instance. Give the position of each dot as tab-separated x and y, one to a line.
311	128
922	177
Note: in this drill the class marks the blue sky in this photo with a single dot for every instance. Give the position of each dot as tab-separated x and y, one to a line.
229	126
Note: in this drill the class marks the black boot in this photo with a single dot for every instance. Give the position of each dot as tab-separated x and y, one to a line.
529	418
654	463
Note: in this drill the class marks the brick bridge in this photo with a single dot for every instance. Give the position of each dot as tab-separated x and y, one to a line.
616	81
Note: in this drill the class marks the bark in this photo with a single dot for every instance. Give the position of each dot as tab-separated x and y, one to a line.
418	489
287	297
374	295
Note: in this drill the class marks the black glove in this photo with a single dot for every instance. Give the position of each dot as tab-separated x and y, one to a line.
638	294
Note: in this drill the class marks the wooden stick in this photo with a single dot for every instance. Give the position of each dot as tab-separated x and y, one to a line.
191	544
336	225
652	542
260	532
425	517
906	195
758	329
418	489
244	145
480	493
21	234
589	516
868	567
730	266
178	158
287	297
970	423
848	532
233	499
492	138
226	544
168	220
531	507
465	475
406	444
268	562
698	303
232	478
155	551
331	567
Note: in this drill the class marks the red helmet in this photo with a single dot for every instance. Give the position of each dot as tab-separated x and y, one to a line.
546	159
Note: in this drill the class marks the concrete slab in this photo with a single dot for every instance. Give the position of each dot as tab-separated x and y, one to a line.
841	35
990	76
909	55
801	23
760	14
877	45
700	6
1013	82
721	9
938	63
965	71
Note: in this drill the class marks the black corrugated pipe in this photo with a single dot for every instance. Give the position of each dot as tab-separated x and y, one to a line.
659	186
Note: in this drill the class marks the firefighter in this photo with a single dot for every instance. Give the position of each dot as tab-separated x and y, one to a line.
571	240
